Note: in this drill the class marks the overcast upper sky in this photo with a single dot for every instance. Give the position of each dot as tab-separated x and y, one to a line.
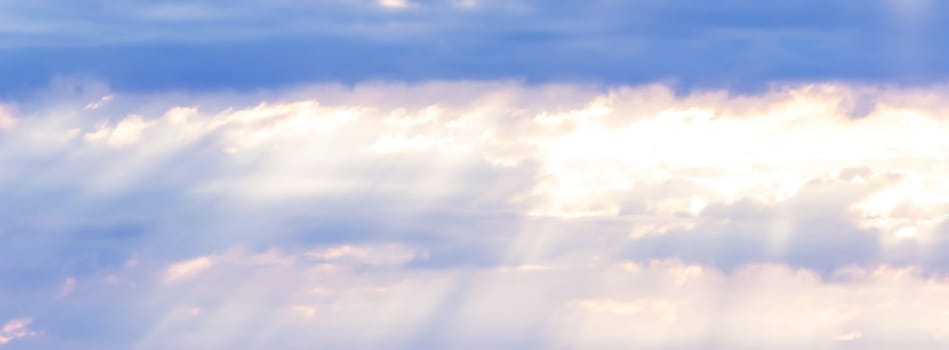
147	45
474	174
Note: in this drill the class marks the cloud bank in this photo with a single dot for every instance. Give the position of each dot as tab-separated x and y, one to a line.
208	45
475	215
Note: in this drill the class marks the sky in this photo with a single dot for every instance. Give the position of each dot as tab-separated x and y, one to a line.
474	174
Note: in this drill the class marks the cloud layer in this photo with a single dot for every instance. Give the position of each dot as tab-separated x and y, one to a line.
475	215
201	45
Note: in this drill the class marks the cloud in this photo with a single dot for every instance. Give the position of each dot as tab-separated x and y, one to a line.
7	121
382	255
69	286
188	268
126	133
665	166
394	3
15	329
477	215
148	46
102	102
764	305
617	305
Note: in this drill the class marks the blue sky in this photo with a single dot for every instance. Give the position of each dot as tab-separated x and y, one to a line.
209	45
473	174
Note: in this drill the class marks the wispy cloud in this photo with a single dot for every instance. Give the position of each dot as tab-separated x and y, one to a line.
15	329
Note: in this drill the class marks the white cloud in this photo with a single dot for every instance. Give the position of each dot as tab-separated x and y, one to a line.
849	336
394	3
494	215
7	121
127	132
191	267
15	329
371	255
69	286
591	155
467	3
102	102
606	305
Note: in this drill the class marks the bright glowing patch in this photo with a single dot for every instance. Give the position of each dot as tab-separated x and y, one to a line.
394	3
